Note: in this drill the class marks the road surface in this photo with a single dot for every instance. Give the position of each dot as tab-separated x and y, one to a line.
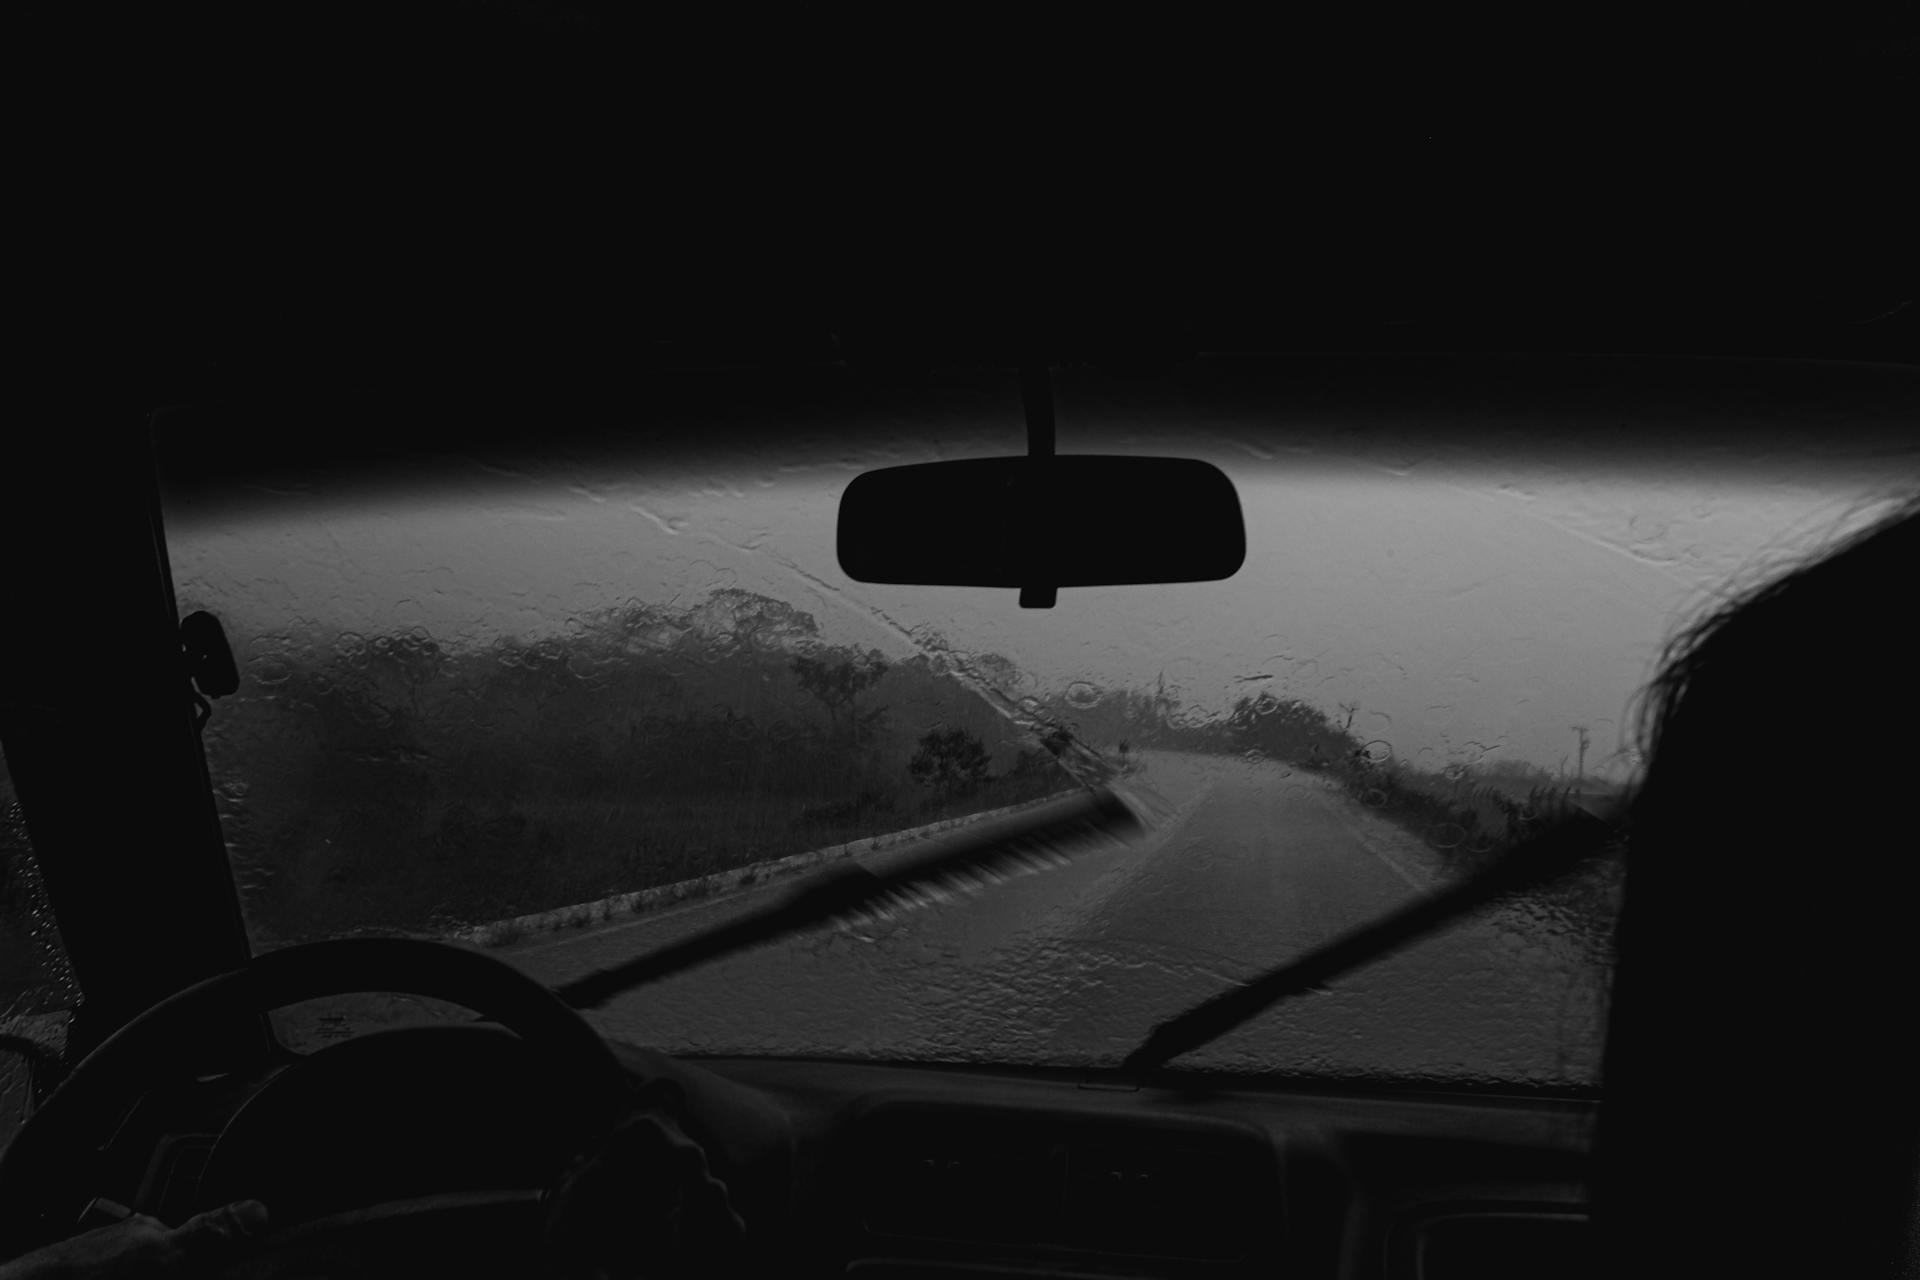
1074	966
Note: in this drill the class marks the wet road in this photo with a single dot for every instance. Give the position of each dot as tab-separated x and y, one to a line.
1074	966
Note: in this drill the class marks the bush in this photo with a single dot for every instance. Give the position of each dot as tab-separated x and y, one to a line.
952	762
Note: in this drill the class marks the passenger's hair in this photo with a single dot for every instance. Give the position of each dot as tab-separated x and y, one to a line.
1762	1105
1871	569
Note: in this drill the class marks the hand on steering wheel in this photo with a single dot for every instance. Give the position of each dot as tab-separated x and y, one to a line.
138	1247
646	1195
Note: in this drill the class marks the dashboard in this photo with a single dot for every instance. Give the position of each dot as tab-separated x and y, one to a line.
943	1173
891	1172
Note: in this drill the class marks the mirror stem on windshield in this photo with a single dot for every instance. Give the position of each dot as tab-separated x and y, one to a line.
1042	521
1036	397
1554	853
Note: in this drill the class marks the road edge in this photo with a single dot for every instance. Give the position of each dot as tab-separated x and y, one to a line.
579	915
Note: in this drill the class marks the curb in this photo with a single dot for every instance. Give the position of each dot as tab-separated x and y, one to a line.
499	933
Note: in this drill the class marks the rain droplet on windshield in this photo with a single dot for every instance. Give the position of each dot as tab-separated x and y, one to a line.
1082	696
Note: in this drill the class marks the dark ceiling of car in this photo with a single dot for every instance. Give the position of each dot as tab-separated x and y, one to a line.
502	204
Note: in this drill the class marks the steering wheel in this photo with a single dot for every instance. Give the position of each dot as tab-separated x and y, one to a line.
42	1174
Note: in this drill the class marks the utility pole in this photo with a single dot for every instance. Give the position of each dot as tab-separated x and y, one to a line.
1581	773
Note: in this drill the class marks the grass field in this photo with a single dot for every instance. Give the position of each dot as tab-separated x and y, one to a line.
461	860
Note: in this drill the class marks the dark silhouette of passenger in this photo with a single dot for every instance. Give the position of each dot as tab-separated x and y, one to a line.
1761	1113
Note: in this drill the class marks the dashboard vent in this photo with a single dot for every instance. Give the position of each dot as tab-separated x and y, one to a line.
1505	1244
1095	1187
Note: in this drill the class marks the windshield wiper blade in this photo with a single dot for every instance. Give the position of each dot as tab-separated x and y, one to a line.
1561	849
1049	835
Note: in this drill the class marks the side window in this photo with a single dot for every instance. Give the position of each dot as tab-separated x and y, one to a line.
37	991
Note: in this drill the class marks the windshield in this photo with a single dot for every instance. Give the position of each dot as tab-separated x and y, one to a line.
572	705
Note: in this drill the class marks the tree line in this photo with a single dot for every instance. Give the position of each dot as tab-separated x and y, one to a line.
392	782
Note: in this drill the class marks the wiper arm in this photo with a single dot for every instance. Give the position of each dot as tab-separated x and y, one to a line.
1539	861
1040	838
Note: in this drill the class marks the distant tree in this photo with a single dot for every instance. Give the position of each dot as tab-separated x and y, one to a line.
398	669
1287	729
749	620
1165	705
837	683
1030	762
950	761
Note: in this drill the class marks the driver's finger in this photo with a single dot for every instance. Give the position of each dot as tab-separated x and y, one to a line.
219	1232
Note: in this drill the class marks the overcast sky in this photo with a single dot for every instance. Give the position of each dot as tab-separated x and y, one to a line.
1468	603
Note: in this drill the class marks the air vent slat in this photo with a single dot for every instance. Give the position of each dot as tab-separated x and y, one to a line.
1065	1184
949	1186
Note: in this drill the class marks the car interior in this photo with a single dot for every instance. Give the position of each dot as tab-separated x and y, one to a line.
296	271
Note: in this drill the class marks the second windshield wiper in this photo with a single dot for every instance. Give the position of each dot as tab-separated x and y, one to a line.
1048	834
1554	853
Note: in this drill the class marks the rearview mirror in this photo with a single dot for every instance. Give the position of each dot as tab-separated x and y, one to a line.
1039	523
